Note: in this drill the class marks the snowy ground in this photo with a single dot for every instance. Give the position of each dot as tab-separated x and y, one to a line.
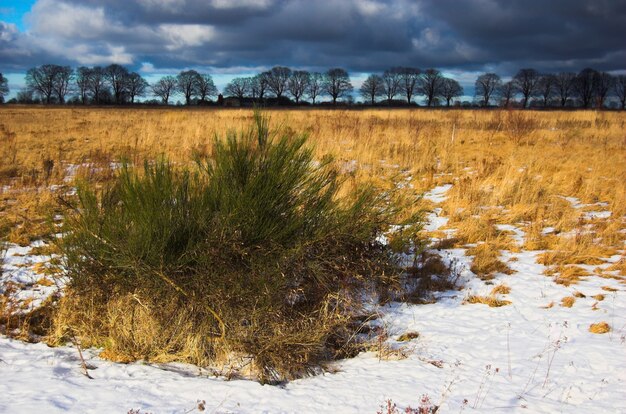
532	356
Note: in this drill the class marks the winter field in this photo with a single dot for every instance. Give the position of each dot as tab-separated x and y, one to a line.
522	270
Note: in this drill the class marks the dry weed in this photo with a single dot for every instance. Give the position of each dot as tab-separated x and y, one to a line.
599	328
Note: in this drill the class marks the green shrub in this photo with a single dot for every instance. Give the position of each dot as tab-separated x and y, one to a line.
250	259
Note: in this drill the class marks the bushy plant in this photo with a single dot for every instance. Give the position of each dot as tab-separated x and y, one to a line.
250	258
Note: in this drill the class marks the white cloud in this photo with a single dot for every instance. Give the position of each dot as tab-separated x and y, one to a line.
178	36
52	18
8	32
429	38
369	7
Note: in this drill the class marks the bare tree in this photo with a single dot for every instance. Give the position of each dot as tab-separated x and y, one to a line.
137	86
164	88
584	86
238	87
62	82
430	84
97	84
316	82
117	77
546	88
620	89
298	84
258	86
486	86
507	93
206	87
525	81
186	83
337	83
372	88
602	84
40	80
450	89
391	83
4	87
564	85
409	78
25	96
82	83
277	80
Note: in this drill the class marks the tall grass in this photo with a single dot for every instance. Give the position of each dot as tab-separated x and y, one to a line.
251	260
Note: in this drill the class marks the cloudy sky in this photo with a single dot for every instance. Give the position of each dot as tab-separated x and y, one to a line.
233	37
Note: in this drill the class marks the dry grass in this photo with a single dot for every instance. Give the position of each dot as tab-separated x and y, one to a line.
408	336
486	262
490	301
506	168
599	328
566	275
568	301
501	290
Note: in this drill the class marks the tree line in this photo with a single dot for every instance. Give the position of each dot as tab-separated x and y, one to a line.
115	84
588	88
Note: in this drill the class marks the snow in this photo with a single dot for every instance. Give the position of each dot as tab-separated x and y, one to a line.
527	357
20	268
438	194
590	215
541	360
434	220
517	234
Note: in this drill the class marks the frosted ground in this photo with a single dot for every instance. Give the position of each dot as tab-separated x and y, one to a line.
532	356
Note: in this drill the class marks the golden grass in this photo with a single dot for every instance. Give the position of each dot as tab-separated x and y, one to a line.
619	266
568	301
490	301
567	275
486	262
505	167
501	290
599	328
408	336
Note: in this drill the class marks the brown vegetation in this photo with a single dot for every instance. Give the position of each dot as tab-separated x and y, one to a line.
505	168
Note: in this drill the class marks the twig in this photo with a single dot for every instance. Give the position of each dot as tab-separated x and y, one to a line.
82	360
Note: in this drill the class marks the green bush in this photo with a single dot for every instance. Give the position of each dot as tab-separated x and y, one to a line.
250	259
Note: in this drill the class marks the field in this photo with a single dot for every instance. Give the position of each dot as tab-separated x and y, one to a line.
525	210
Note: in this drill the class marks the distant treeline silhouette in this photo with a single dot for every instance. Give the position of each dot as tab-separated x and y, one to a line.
281	86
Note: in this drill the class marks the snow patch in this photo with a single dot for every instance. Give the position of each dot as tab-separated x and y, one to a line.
438	194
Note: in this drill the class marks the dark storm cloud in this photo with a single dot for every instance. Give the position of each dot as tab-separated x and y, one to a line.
361	35
545	33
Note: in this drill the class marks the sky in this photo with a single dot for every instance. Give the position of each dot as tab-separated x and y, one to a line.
230	38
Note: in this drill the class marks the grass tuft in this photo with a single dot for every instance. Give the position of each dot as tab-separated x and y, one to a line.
501	290
568	301
486	262
490	301
599	328
408	336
